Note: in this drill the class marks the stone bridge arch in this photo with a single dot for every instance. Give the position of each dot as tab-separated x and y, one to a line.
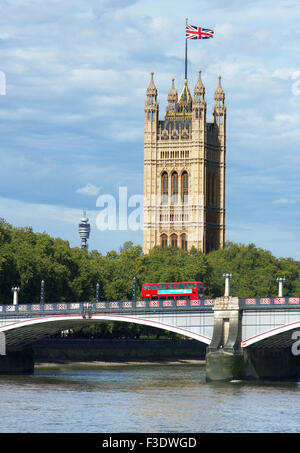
22	333
277	337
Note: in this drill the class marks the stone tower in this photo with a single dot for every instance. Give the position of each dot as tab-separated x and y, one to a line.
184	170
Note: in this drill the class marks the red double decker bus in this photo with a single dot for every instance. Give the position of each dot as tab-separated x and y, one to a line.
180	290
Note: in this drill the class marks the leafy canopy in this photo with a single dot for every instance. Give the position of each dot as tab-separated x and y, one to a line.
71	274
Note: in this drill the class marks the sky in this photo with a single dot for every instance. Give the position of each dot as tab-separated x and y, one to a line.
73	80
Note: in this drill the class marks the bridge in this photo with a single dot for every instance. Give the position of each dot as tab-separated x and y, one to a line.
245	338
21	325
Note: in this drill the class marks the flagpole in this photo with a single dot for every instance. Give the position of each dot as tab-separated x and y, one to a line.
185	66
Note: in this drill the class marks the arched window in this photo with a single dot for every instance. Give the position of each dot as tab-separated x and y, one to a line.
174	241
164	188
174	187
184	187
164	240
198	113
183	242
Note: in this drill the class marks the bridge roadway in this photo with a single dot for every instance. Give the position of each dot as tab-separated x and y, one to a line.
226	325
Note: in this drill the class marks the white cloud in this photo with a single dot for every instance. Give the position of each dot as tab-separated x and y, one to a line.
284	73
89	190
283	201
23	213
22	113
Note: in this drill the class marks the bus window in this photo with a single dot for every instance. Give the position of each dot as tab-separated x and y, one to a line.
162	286
154	287
176	286
191	285
182	286
170	286
147	287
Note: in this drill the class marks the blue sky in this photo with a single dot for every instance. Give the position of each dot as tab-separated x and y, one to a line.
71	119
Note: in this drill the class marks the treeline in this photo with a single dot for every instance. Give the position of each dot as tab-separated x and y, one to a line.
71	274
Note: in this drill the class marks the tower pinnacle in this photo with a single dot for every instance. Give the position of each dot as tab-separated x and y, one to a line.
152	90
199	87
219	110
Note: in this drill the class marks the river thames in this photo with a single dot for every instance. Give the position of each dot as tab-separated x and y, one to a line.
144	398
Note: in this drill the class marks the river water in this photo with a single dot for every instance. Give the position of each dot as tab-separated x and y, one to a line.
144	399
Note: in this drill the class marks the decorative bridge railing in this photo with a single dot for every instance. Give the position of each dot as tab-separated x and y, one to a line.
106	306
271	302
142	305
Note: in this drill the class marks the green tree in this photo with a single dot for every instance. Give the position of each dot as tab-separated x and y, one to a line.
71	274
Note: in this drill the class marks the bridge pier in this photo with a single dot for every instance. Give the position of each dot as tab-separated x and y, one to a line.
224	358
271	363
17	362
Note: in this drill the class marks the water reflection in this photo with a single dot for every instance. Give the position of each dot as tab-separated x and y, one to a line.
144	398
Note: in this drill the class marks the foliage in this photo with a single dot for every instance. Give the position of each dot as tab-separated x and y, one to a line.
71	274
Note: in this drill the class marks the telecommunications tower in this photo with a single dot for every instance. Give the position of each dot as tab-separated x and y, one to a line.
84	229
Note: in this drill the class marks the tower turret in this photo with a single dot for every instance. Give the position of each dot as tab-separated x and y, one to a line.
151	111
151	105
152	90
150	155
199	91
199	103
219	111
172	98
219	119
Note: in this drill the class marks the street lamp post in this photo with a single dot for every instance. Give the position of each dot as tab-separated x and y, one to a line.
227	284
134	290
15	290
97	292
280	281
42	298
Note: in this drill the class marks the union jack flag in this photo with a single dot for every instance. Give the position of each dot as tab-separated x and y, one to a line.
193	32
